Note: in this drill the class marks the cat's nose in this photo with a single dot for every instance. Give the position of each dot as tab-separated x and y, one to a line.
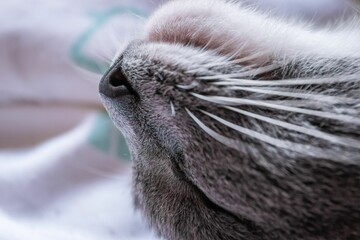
115	83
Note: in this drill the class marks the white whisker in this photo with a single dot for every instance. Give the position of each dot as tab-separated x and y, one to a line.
188	87
291	146
288	82
311	132
173	112
260	70
299	103
240	101
196	70
248	73
218	77
316	97
220	138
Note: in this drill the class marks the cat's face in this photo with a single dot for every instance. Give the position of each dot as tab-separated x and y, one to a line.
149	95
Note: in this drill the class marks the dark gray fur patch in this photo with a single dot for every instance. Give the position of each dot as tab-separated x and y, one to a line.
190	186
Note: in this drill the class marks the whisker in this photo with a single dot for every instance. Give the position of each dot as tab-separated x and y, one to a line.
249	73
240	101
173	112
225	140
299	103
196	70
314	105
317	97
289	82
188	87
291	146
311	132
217	76
260	70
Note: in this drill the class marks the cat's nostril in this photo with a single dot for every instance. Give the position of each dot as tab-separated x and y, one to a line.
115	84
117	79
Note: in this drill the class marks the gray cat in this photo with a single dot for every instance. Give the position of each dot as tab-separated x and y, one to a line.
241	125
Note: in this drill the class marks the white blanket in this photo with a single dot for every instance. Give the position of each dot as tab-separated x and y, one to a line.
66	189
64	168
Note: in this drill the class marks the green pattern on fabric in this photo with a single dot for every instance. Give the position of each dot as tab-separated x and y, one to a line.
101	132
105	137
76	52
122	149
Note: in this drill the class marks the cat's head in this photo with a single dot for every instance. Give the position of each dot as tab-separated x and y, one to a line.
186	78
153	95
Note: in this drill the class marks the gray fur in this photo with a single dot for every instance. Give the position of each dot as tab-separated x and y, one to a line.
191	186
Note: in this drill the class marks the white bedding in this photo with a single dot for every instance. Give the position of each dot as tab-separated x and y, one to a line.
67	189
64	168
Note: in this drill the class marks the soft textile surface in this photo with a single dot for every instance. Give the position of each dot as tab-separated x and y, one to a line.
60	190
64	168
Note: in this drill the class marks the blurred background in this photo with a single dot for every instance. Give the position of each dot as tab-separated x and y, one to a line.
65	171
